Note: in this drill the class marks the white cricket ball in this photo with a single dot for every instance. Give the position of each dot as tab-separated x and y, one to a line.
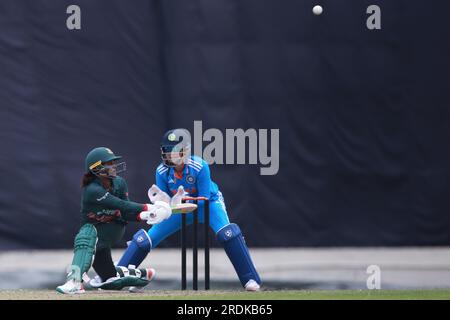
317	10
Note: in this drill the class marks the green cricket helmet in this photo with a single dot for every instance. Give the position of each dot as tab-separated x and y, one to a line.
103	162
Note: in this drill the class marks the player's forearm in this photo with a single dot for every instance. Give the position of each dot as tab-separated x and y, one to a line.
127	207
110	201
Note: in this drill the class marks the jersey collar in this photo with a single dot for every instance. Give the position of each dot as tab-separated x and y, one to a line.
185	172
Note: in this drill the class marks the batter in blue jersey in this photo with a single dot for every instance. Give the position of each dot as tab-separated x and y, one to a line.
178	174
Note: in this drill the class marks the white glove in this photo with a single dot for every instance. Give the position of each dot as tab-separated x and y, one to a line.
156	194
156	212
176	199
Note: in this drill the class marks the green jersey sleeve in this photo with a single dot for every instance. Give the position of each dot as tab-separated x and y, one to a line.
123	191
98	196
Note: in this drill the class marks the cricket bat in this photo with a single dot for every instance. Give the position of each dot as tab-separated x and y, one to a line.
184	208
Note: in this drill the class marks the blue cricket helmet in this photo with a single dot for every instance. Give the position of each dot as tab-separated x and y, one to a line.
175	147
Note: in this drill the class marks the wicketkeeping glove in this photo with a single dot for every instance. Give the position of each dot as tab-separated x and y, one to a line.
178	197
156	194
156	212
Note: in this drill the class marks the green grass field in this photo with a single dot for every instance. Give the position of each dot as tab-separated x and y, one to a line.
441	294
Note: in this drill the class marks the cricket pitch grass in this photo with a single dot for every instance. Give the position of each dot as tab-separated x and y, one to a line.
438	294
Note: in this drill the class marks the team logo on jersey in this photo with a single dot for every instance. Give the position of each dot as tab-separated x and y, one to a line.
190	179
140	239
229	233
103	198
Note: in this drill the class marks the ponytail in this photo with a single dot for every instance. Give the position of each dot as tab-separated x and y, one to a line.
87	179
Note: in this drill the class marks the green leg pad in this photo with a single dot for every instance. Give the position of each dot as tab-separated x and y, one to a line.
128	278
128	281
84	250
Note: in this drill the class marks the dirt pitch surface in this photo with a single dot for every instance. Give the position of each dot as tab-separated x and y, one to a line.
441	294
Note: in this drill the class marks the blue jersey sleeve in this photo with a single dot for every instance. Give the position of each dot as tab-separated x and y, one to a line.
204	182
161	182
204	185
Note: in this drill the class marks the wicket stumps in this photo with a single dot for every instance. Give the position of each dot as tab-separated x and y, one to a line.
195	244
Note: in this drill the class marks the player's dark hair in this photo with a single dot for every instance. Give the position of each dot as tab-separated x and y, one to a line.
87	179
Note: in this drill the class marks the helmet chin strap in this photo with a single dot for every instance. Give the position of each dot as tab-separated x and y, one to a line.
172	164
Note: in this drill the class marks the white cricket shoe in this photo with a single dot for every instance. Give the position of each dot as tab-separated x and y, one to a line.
97	281
252	285
71	287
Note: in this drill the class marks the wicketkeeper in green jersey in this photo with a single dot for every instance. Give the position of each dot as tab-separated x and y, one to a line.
105	211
